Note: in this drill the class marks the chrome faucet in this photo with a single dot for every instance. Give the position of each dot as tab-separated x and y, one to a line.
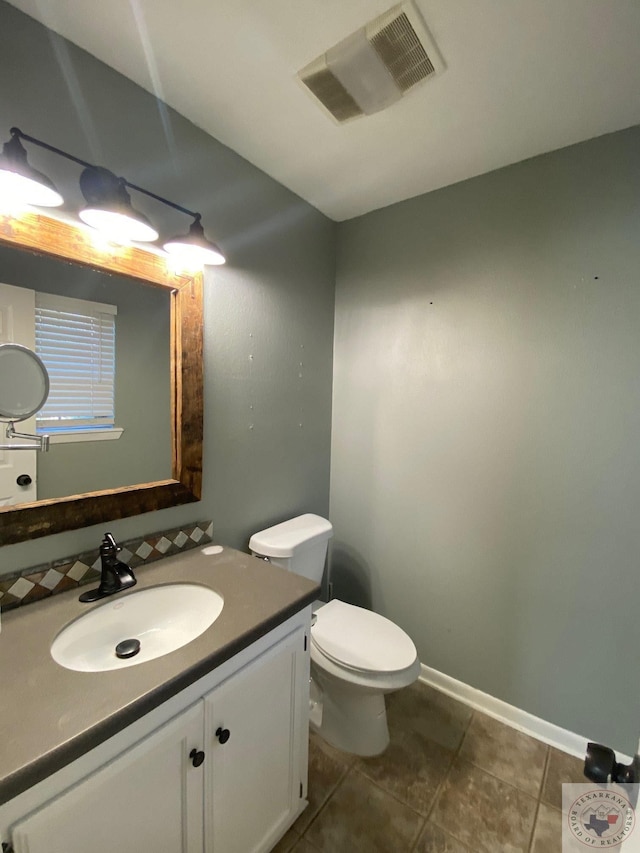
115	575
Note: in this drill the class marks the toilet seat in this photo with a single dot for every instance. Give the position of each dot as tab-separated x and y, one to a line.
360	640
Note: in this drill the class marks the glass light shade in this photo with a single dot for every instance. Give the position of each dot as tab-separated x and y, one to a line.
194	247
18	189
119	226
109	208
194	254
20	183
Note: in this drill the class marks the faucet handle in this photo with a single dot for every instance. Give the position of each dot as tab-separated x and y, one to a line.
109	546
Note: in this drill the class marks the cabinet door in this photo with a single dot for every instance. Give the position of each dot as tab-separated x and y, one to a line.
148	799
256	778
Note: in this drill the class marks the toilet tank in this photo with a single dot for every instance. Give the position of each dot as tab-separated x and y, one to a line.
298	545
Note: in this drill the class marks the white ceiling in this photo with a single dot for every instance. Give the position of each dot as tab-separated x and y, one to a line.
523	77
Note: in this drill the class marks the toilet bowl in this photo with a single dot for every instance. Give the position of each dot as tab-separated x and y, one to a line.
356	655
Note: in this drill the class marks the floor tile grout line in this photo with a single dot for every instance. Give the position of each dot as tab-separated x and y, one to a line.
321	808
306	841
493	776
354	768
388	793
466	731
533	828
546	777
455	755
542	784
402	803
447	831
488	772
440	787
418	837
545	774
499	779
534	797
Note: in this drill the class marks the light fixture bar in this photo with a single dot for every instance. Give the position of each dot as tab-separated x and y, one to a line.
166	201
194	242
15	131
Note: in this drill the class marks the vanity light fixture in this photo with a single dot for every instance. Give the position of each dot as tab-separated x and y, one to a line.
108	209
194	246
20	182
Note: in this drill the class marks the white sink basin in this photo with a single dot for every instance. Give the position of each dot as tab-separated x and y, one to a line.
161	618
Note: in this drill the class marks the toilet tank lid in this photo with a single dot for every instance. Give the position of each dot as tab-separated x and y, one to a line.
281	539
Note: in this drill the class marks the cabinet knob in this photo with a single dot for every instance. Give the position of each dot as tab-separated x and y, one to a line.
223	735
24	480
197	757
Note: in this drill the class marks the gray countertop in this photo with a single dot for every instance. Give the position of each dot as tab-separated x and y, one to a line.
49	715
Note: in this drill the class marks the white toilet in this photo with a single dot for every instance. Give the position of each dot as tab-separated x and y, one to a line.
356	656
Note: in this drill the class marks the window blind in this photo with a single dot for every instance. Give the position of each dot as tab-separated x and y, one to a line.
76	341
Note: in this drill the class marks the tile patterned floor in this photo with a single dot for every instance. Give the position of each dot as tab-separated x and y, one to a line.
452	781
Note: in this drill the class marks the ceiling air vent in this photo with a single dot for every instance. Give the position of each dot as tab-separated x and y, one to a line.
330	92
375	66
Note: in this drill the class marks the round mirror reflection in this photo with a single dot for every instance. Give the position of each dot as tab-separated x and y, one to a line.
24	383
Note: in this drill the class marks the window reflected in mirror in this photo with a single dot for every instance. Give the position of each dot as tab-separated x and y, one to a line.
105	341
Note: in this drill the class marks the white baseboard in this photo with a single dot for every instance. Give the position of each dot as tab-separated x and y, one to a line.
523	721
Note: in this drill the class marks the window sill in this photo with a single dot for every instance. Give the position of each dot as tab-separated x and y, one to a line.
75	436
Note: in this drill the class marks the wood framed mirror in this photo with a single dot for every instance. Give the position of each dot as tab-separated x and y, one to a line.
34	233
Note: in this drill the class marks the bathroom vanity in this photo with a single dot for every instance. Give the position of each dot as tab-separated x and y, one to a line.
202	749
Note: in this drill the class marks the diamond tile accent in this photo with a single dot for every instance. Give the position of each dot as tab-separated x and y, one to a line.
51	579
144	550
163	545
77	571
41	581
20	588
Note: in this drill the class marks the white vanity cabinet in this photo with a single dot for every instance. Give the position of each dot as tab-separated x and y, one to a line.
253	737
149	798
159	794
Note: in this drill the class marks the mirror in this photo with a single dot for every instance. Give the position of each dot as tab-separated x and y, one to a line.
177	476
105	340
24	383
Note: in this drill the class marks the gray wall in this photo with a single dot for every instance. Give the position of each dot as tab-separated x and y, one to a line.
142	454
485	471
268	313
486	430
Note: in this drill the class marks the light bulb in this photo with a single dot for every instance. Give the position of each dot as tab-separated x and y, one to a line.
18	189
118	226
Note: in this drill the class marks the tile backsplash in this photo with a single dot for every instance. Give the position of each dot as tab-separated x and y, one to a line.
47	579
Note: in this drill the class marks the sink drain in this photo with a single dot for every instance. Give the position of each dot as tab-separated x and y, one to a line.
127	648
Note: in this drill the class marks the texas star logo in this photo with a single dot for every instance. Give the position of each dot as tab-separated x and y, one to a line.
601	818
